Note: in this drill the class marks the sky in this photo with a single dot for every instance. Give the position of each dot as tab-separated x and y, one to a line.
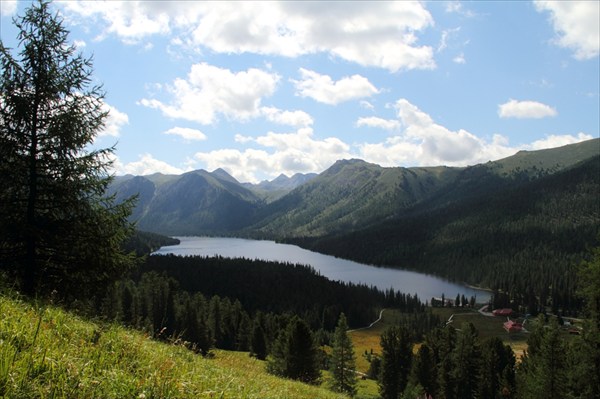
264	88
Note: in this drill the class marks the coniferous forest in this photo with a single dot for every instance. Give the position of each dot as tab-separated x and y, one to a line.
68	239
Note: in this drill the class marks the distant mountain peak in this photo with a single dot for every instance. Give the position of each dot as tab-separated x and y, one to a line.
223	175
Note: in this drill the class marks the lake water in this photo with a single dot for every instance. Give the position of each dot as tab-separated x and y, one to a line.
409	282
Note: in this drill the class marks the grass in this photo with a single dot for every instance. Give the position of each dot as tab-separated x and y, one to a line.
486	326
46	352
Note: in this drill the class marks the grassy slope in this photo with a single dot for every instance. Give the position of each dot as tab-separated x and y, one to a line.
48	352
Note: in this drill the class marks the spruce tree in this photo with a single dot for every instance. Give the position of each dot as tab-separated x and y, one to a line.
58	229
423	371
301	353
497	372
258	343
589	354
294	354
542	372
466	358
343	361
396	361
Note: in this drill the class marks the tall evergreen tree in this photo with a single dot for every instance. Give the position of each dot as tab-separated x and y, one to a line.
258	343
445	342
215	321
294	355
396	361
542	372
58	229
497	373
423	371
466	358
343	361
586	371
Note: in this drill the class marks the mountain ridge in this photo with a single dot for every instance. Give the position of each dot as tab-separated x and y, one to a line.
350	195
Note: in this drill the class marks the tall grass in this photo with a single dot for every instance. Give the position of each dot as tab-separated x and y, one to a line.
46	352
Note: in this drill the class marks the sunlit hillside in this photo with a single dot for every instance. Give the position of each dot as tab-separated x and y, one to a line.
46	352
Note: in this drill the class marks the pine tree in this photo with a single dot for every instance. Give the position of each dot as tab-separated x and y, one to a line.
423	371
396	361
585	370
445	342
551	375
497	373
58	229
543	371
343	361
466	359
294	354
258	344
215	321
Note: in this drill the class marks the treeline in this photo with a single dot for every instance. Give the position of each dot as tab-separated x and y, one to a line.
456	364
231	303
143	242
281	287
520	239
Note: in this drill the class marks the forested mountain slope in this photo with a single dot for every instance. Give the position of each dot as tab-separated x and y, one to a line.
520	236
348	196
352	194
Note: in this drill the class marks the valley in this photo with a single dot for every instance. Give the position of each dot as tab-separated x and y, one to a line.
494	225
448	247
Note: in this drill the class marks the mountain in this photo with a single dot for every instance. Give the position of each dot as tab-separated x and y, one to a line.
352	195
518	225
280	186
197	202
349	195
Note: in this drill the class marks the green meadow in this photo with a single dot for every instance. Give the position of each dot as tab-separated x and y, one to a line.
46	352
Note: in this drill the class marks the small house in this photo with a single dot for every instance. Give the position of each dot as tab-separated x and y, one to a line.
502	312
513	326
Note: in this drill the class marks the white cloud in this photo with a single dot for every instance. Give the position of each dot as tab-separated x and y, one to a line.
239	138
373	121
130	20
457	7
290	118
186	133
287	153
380	34
576	24
113	122
323	89
558	141
446	35
8	7
419	142
525	109
366	105
426	143
209	91
460	59
146	165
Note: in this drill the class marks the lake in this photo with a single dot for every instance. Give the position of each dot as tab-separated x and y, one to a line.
409	282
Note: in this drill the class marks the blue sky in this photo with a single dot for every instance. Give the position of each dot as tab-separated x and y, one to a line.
265	88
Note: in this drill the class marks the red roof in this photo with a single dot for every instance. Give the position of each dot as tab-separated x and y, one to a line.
512	326
502	312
